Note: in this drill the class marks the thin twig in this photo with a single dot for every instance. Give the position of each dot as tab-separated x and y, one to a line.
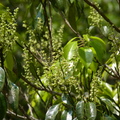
40	88
69	25
103	15
14	115
29	105
27	116
49	28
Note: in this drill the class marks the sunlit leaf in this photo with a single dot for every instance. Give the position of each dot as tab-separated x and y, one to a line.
3	106
80	110
86	55
108	103
52	112
70	49
13	97
91	111
66	115
2	78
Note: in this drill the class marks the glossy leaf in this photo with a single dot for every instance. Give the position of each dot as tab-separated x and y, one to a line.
86	55
52	112
2	78
67	100
107	89
70	49
3	106
13	97
91	111
75	119
66	115
80	110
99	46
108	103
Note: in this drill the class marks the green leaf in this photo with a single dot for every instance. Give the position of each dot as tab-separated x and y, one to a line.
80	110
13	97
99	46
2	78
91	111
67	100
9	62
72	16
107	89
66	115
108	104
86	55
70	49
3	106
52	112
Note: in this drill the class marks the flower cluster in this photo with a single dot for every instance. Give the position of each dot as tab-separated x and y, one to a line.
95	18
8	29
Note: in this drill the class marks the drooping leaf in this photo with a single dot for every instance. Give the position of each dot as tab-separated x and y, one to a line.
91	111
99	46
86	56
13	97
2	78
70	49
72	16
9	62
80	110
52	112
3	106
66	115
108	104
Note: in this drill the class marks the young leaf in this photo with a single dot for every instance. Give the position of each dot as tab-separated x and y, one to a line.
86	55
91	111
80	110
52	112
70	49
3	106
66	115
13	97
99	46
2	78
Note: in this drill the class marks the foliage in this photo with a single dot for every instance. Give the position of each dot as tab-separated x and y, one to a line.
59	60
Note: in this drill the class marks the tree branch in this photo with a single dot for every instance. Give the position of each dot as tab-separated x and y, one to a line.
40	88
14	115
103	15
69	25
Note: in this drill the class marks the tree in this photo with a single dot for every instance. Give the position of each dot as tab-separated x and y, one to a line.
59	60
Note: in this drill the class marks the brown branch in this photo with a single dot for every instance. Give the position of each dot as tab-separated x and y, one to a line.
103	15
69	25
40	88
27	116
28	103
49	28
